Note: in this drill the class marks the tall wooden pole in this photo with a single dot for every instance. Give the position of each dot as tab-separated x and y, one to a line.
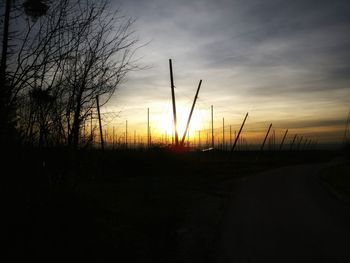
192	108
346	128
305	143
126	134
173	101
212	128
100	124
207	142
308	145
134	139
199	138
291	145
284	137
239	132
298	147
148	135
267	134
106	138
223	133
91	124
113	138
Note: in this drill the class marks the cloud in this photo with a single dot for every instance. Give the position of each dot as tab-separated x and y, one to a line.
274	57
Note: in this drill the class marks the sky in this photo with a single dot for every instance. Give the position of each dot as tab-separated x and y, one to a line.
284	62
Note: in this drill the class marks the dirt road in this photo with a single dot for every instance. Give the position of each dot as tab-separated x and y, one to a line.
285	215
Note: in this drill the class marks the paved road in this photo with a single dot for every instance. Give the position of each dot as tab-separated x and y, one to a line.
285	215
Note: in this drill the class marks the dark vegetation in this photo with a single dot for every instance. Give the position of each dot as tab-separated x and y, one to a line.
57	58
143	206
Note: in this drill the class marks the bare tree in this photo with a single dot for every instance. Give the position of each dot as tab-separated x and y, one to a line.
77	51
98	61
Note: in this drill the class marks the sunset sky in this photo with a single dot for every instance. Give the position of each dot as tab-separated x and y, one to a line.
285	62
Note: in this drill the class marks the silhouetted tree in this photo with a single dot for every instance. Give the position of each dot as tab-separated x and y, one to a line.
34	9
78	50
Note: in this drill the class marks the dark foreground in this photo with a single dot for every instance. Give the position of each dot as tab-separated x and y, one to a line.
157	206
285	215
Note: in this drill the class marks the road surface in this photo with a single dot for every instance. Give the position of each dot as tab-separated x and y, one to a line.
285	215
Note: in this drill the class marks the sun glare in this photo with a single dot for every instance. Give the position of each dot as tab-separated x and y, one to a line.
165	125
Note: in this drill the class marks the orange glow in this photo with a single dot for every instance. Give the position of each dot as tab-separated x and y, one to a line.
165	124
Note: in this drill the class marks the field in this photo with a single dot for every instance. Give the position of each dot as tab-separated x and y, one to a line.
131	206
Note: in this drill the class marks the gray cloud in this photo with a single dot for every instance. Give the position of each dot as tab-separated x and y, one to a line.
250	54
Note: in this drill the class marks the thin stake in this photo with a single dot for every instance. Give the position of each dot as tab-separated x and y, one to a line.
173	101
126	134
301	138
99	121
199	138
291	145
239	132
267	134
113	138
212	128
346	128
148	134
192	108
223	133
284	137
134	138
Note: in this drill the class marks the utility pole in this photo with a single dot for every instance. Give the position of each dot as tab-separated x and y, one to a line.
212	128
267	134
99	121
239	132
284	137
173	101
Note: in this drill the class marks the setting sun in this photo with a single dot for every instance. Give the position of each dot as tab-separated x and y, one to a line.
165	122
